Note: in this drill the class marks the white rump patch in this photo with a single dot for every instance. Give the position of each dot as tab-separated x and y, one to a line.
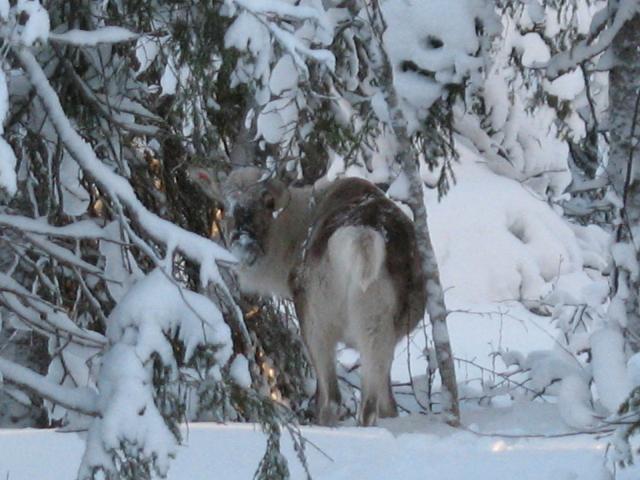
357	253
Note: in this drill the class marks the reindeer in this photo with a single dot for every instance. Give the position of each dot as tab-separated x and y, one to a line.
345	254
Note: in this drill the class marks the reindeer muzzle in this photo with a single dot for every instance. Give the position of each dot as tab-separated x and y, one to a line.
245	247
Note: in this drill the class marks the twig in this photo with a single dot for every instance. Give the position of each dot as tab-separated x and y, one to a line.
601	431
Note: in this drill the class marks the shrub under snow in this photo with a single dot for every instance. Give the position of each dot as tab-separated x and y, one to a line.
153	311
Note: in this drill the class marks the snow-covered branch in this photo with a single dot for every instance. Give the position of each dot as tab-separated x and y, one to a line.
92	38
63	255
283	9
152	311
82	400
297	49
106	109
42	316
195	247
589	48
80	229
267	13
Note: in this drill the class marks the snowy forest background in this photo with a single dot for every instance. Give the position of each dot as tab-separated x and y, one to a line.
118	316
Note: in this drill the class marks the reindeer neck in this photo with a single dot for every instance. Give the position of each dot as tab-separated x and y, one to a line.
270	275
292	226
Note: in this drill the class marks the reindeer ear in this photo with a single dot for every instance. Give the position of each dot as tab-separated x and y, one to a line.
206	181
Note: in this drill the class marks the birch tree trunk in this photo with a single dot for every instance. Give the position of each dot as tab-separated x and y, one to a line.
436	308
623	170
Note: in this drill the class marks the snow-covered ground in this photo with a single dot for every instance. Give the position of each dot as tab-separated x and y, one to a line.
406	448
502	249
491	445
499	247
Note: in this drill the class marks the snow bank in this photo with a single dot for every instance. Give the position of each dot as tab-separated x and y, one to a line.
495	240
574	403
233	451
610	367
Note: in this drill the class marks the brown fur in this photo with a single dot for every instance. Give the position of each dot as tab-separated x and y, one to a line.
353	201
346	255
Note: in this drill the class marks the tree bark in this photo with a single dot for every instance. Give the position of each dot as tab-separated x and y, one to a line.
623	170
436	307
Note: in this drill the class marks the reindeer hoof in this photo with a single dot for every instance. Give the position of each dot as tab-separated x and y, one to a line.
328	415
368	413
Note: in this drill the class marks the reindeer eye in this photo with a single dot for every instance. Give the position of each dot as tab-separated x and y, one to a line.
268	201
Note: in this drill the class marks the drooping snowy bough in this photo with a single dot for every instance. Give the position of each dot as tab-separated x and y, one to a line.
86	265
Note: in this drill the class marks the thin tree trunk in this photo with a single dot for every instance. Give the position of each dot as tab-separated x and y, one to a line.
436	308
623	170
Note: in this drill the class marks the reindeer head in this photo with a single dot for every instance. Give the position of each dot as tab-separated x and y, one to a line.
252	201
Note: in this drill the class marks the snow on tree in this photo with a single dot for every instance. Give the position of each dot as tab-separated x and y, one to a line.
137	329
588	50
127	404
134	319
